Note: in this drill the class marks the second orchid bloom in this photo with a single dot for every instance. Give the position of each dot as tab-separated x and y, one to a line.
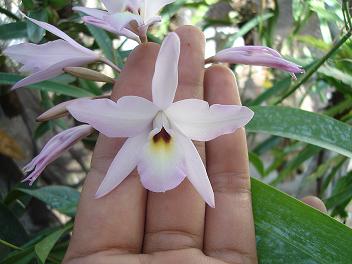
160	133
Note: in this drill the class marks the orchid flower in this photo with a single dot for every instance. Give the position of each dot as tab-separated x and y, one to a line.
53	149
160	133
46	61
256	55
130	18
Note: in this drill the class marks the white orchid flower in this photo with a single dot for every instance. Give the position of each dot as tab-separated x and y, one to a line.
130	18
160	132
48	60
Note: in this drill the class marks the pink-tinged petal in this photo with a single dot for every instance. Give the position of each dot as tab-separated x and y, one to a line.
165	79
40	57
152	7
153	20
195	170
257	55
134	5
54	148
122	20
129	34
115	6
99	23
195	119
106	25
60	34
256	49
123	164
128	117
51	71
161	162
100	14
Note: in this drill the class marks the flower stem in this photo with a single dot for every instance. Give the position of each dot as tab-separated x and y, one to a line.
5	243
144	39
316	66
107	62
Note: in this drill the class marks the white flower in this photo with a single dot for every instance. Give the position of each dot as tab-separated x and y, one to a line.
160	132
130	18
46	61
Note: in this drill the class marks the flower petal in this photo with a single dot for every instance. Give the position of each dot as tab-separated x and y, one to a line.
195	170
152	7
128	117
54	148
39	57
165	79
91	11
60	34
51	72
195	119
259	56
161	162
115	6
121	20
123	164
250	48
106	25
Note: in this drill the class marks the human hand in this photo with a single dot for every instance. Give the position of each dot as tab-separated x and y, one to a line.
131	225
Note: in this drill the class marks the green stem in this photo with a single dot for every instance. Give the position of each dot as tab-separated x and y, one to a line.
315	67
7	244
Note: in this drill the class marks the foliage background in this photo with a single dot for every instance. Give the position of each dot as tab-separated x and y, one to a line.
294	150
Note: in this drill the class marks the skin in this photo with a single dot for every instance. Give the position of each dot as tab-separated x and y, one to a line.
133	226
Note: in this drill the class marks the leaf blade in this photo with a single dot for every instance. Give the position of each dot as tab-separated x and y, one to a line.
312	128
51	86
289	231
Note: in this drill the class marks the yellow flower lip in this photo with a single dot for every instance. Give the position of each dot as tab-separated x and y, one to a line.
162	136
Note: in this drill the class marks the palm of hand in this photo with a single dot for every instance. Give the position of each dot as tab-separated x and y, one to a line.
131	225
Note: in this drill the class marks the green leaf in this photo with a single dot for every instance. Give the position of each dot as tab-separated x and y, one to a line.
11	229
290	168
13	30
312	128
314	42
19	257
34	32
342	192
256	162
8	14
289	231
44	247
336	74
50	86
90	86
42	129
277	88
62	198
246	28
104	42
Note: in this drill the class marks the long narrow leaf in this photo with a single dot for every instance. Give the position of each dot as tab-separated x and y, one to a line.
289	231
312	128
50	86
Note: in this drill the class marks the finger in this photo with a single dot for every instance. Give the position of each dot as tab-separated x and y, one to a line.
229	231
175	219
315	202
115	221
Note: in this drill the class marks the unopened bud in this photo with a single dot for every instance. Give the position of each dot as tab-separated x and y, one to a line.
60	110
88	74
